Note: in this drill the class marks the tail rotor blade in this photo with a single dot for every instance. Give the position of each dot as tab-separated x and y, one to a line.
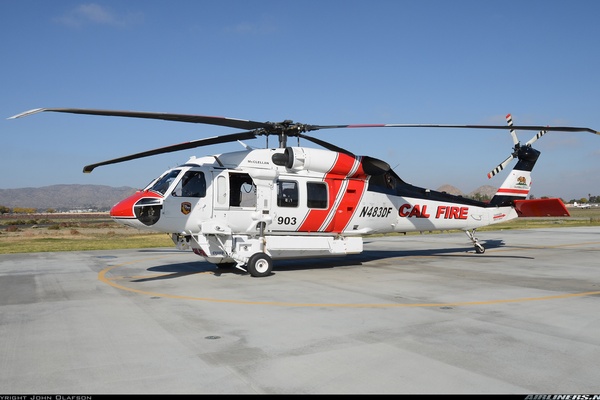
515	139
500	166
536	137
513	133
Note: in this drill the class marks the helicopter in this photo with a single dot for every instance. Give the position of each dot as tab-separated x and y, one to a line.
247	208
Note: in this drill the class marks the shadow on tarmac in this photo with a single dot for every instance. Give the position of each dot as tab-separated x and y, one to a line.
172	271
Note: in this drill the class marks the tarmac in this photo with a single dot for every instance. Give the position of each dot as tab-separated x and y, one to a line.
415	314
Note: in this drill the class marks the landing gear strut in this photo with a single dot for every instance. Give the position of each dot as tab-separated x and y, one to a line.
479	249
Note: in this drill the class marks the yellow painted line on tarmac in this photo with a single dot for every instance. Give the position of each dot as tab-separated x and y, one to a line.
111	281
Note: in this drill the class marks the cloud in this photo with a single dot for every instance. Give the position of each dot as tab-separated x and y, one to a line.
95	14
264	26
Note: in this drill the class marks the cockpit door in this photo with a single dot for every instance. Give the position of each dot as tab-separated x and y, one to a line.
186	202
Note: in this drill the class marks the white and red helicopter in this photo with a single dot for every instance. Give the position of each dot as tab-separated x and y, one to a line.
250	207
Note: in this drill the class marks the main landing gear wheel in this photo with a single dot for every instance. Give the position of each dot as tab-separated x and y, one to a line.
259	265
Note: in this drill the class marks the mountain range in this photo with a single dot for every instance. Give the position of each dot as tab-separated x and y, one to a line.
102	198
65	197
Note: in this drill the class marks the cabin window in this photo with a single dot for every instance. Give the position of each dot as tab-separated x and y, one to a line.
193	184
242	190
287	194
221	190
316	195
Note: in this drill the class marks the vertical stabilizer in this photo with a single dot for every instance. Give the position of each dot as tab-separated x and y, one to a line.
518	183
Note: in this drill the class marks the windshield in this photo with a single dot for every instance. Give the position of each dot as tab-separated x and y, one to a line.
163	183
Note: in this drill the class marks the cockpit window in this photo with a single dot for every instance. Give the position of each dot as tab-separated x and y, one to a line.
162	184
192	184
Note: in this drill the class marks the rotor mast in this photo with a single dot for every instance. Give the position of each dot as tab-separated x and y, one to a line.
283	130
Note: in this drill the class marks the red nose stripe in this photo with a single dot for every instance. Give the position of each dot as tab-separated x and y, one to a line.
124	208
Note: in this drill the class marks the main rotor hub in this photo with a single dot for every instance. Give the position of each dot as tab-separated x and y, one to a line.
284	130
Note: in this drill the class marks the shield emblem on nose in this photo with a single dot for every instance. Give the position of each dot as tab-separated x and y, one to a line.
186	207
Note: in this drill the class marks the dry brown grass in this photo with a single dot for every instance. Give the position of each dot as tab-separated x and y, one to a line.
76	234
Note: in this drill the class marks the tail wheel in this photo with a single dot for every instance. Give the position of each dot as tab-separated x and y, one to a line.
259	265
479	249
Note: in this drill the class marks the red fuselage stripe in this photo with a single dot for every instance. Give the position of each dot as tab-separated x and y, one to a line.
344	196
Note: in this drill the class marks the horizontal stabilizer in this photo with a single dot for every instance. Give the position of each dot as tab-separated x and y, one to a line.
541	208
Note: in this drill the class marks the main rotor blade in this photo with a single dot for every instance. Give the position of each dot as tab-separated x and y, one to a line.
246	124
199	119
325	144
523	127
182	146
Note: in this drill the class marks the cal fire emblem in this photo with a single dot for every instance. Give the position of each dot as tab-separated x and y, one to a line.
186	208
521	181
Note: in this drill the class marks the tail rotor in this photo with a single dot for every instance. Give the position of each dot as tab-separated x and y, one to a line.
516	148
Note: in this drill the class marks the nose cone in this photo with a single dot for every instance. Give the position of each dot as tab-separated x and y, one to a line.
133	210
124	208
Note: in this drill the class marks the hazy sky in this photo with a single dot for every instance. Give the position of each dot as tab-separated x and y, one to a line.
318	62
